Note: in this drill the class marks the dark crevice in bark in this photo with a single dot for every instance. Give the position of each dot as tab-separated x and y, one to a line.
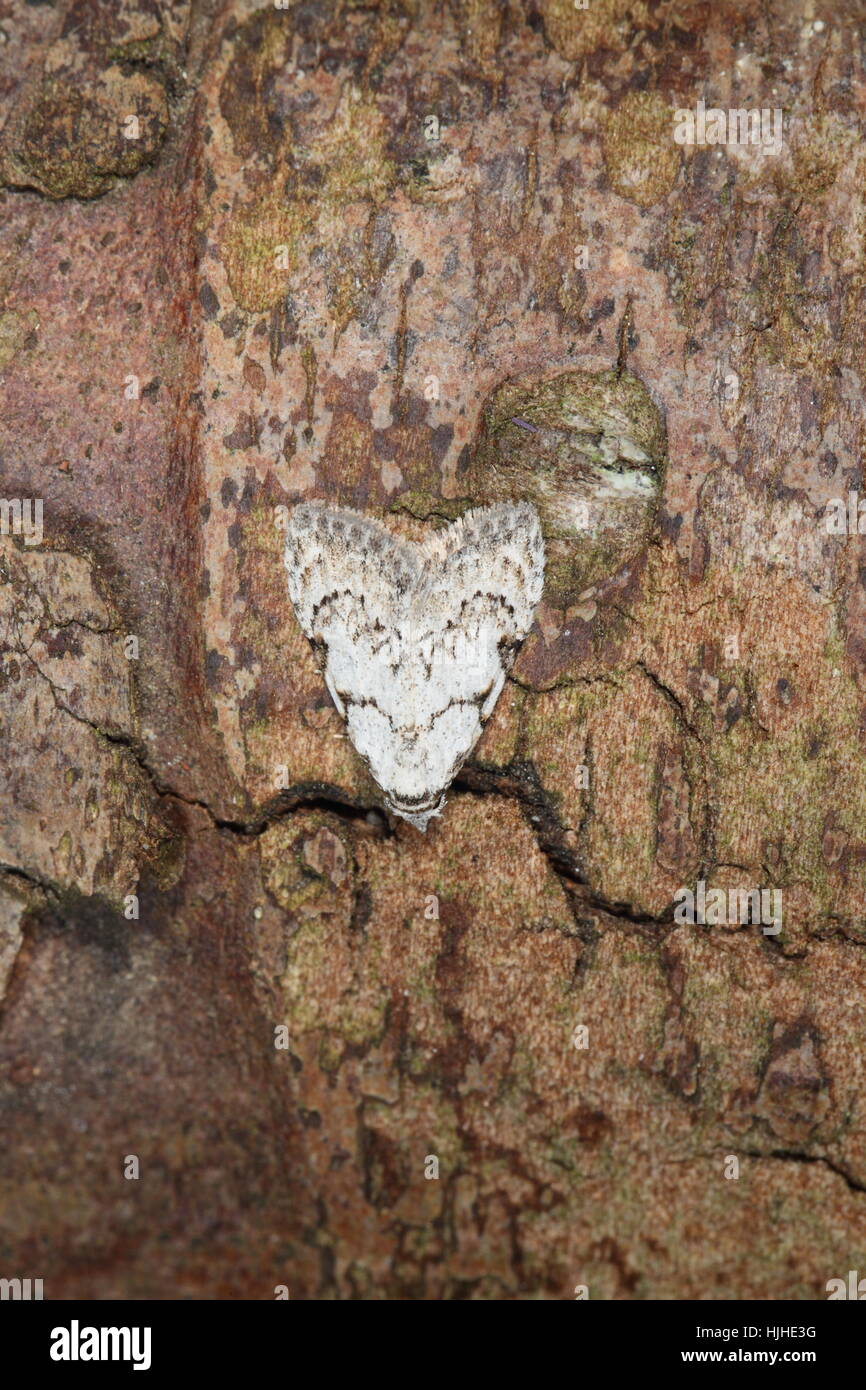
592	902
671	697
794	1156
312	795
305	797
520	782
524	787
32	880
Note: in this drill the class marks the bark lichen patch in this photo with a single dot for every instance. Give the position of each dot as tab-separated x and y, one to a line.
589	450
320	212
72	143
577	31
18	332
99	106
307	864
640	155
262	245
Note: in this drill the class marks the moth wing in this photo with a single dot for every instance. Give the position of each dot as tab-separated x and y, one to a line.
489	568
346	573
493	560
332	554
483	582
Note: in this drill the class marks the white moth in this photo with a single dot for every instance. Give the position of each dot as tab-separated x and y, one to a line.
415	641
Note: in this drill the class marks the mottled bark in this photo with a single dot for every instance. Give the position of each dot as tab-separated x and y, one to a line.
410	256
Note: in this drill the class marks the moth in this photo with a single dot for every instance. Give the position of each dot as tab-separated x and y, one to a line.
415	640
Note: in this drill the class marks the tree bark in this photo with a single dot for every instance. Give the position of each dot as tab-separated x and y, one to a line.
411	256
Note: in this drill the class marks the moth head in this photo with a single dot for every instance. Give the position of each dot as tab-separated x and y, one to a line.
415	814
415	764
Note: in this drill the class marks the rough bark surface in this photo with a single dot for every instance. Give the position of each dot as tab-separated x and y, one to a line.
246	303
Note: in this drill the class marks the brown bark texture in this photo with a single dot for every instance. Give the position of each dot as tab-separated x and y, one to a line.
409	257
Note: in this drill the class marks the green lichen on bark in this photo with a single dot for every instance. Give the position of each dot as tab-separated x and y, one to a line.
589	450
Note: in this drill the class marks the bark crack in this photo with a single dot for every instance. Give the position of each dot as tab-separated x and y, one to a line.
794	1156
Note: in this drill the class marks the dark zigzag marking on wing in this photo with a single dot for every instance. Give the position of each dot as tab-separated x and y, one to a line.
452	625
421	728
331	597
